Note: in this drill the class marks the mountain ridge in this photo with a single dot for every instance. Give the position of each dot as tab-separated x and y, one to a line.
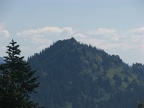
76	75
1	60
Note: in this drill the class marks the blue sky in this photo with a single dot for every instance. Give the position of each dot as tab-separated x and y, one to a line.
117	26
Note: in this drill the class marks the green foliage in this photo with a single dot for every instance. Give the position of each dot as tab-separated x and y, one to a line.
75	75
16	80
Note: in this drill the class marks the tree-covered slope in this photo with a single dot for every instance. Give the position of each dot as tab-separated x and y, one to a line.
75	75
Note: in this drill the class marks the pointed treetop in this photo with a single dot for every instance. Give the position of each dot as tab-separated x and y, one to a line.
13	42
13	51
16	80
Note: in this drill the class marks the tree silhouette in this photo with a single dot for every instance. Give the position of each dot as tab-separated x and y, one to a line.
16	80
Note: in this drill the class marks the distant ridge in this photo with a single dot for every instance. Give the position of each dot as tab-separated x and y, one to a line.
1	60
76	75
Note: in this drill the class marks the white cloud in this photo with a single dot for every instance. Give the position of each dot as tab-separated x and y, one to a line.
138	30
42	37
135	36
79	35
3	32
67	31
108	39
45	35
101	37
47	31
101	31
104	33
40	40
92	41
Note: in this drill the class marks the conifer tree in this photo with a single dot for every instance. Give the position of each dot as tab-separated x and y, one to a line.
16	80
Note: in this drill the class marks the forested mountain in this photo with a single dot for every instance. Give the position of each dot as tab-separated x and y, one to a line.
76	75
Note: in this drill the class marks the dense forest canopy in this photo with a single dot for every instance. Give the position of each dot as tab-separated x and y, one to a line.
76	75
